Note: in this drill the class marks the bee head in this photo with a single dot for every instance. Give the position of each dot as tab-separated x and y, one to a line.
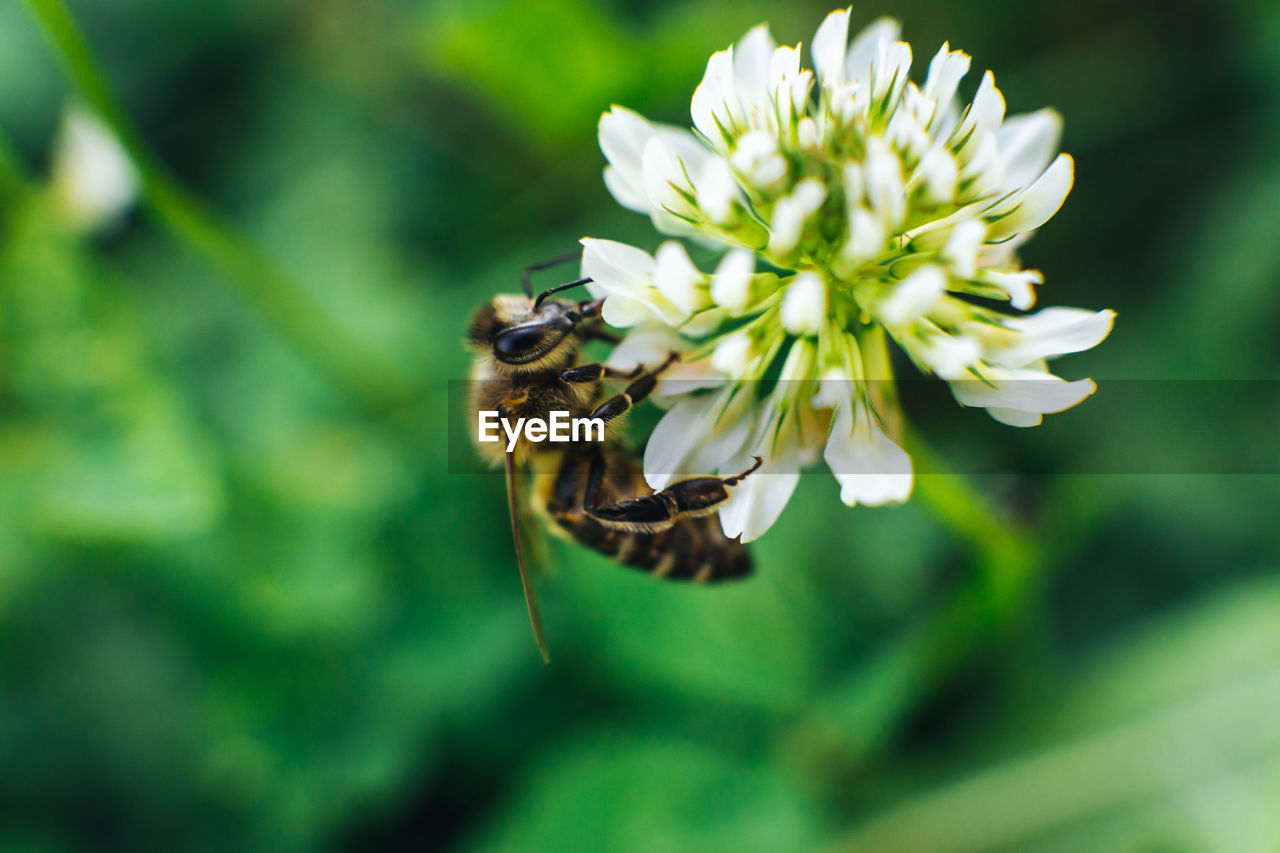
526	337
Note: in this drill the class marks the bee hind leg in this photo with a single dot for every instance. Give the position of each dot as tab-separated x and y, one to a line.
691	498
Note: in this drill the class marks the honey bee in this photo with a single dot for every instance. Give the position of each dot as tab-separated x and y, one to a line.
593	492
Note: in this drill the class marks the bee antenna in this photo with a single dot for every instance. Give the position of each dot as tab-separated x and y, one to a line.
542	265
559	287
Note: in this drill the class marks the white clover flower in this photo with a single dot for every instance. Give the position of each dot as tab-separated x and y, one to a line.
94	181
886	210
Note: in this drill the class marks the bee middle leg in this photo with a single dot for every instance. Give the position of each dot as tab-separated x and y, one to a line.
640	387
595	372
696	496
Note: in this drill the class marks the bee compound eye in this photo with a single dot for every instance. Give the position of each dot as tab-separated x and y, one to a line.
517	342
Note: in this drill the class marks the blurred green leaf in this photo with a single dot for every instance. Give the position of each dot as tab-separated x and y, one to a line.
245	605
548	67
611	792
1171	740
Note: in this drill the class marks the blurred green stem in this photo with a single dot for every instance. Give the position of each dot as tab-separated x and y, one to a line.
371	379
11	172
859	719
1005	550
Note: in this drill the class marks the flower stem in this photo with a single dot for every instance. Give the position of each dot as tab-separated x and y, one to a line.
12	177
858	720
358	371
1006	552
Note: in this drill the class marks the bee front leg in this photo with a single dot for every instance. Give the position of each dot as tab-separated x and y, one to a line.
594	332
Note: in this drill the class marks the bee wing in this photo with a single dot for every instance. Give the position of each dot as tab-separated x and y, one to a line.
526	581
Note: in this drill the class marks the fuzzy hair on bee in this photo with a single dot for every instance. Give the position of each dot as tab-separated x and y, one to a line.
527	365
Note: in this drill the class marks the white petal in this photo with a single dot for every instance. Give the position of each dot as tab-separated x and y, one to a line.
674	438
804	305
663	173
792	97
867	237
717	190
884	186
752	57
626	273
704	322
757	159
948	356
835	388
915	104
987	110
791	212
1003	254
715	102
623	135
849	102
629	195
961	248
726	433
626	311
907	134
1035	205
870	468
678	279
682	378
784	64
731	283
788	224
1019	286
94	180
938	172
982	169
934	234
807	136
913	296
810	192
647	344
1052	332
851	179
866	47
828	47
616	267
946	70
732	354
1015	417
890	69
759	500
1024	390
1027	144
687	146
801	362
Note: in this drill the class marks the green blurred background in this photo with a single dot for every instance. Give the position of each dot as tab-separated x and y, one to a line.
245	605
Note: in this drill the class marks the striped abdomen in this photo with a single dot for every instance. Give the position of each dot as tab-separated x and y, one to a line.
689	548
